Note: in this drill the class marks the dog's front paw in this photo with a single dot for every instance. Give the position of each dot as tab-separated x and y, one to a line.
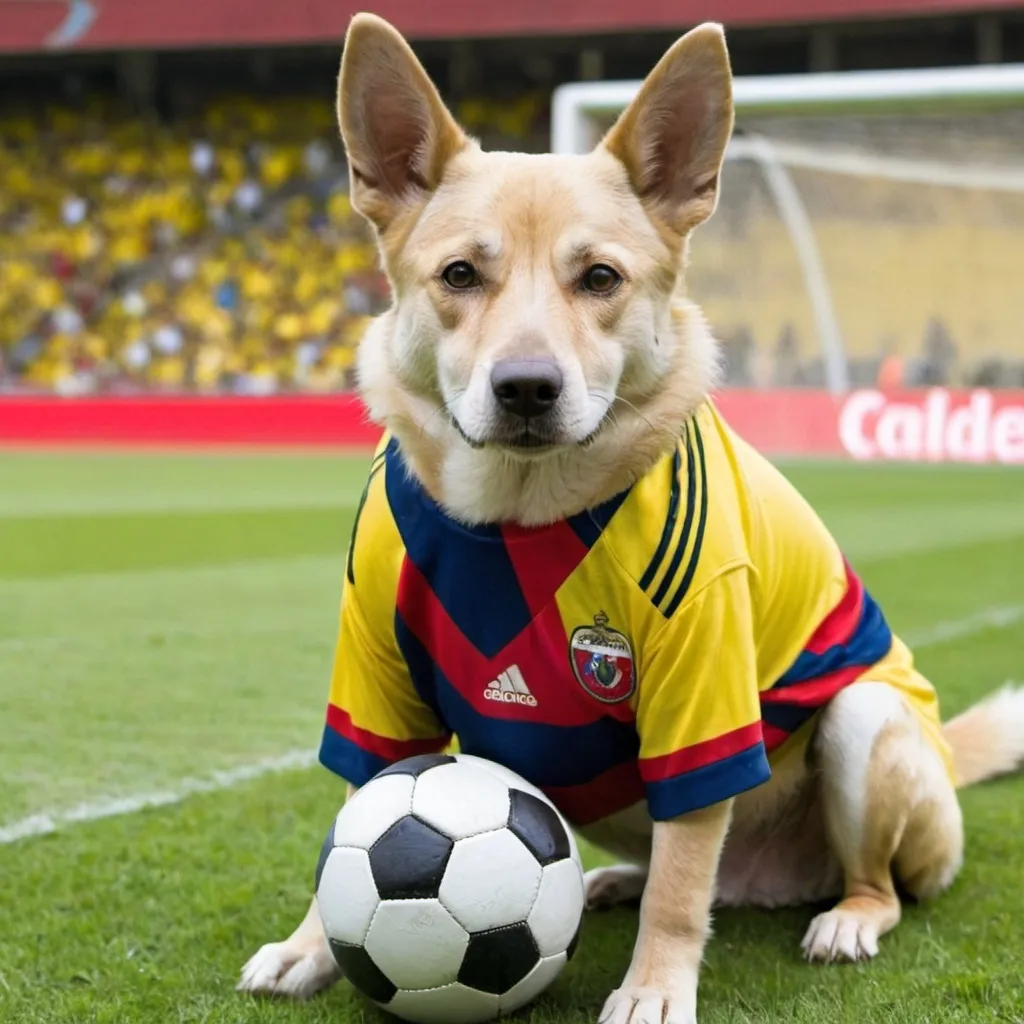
297	968
638	1005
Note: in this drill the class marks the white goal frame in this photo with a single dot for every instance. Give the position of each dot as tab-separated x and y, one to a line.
574	106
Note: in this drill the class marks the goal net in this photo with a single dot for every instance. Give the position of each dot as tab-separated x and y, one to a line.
870	229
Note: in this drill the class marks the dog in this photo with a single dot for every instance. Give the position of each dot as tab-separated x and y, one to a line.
565	557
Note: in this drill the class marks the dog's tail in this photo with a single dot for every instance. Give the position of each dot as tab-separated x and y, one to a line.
988	738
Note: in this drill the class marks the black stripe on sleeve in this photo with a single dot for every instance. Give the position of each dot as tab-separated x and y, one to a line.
684	537
698	542
670	524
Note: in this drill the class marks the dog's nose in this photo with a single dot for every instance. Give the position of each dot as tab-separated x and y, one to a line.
526	387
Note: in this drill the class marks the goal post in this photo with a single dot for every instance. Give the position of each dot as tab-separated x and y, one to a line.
850	159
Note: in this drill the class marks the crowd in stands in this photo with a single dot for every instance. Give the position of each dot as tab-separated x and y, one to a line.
219	253
216	255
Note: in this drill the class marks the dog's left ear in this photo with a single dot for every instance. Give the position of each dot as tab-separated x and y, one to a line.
672	137
397	131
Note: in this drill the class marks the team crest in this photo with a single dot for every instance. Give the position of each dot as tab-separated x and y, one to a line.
602	661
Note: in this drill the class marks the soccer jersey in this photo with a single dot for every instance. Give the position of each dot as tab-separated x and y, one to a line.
657	647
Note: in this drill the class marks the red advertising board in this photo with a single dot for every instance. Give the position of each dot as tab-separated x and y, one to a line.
937	425
933	426
183	420
27	25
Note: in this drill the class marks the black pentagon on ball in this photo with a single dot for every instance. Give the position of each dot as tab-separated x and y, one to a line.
325	852
408	861
573	944
498	959
360	969
416	766
538	826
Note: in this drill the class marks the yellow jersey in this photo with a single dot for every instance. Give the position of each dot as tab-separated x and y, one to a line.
658	647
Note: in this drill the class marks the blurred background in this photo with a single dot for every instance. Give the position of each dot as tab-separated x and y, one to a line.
182	456
174	212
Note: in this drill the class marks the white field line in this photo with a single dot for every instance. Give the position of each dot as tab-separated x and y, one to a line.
955	629
45	822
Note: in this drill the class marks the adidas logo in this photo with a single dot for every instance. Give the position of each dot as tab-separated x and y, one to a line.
510	688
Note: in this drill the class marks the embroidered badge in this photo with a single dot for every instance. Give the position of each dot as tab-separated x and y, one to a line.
602	661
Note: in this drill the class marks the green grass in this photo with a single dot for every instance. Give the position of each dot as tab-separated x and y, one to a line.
168	617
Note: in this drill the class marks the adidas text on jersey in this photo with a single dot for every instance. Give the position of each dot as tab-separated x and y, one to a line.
510	688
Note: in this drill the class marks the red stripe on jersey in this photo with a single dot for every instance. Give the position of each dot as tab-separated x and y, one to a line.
774	737
814	692
543	559
614	790
841	623
654	769
382	746
424	614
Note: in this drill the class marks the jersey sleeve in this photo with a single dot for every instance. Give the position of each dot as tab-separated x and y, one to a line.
698	713
375	716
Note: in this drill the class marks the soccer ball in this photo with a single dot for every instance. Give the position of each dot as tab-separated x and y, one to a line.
450	890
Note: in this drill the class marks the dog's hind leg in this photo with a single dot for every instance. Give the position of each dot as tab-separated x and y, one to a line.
889	805
608	887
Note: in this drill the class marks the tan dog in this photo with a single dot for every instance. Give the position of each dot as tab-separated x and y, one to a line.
541	358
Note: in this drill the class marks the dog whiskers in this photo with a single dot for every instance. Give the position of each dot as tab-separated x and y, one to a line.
442	408
608	414
610	411
630	405
445	408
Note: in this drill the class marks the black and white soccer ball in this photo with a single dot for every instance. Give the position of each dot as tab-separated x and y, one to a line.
450	890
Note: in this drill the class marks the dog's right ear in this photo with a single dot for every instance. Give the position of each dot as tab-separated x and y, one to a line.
397	131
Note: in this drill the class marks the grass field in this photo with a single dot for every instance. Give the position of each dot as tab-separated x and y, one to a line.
166	625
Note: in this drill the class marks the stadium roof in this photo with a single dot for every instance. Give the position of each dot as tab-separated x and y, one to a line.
33	25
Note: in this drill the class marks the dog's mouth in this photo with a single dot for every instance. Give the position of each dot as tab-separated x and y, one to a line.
528	439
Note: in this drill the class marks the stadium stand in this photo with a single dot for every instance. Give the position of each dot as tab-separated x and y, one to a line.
136	254
215	253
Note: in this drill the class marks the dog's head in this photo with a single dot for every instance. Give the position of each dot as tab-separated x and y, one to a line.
538	308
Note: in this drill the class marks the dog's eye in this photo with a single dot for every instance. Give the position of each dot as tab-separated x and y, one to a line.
460	275
601	279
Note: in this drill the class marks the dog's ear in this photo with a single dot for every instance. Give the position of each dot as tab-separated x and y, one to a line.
397	131
672	137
